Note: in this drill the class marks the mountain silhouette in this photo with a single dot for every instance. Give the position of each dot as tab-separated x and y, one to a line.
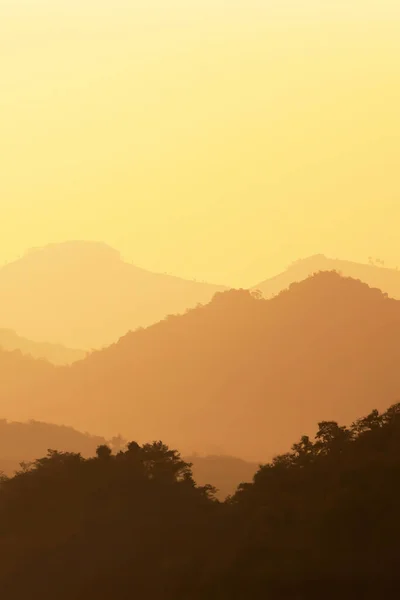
375	275
54	353
83	295
242	374
23	442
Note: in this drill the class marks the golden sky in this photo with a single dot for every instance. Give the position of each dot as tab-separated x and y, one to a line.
212	139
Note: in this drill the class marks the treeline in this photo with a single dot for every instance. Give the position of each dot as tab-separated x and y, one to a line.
321	521
26	441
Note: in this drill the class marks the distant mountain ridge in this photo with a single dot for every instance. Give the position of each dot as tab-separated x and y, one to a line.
54	353
377	276
26	441
83	295
241	373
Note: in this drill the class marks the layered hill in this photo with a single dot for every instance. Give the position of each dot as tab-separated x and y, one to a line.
54	353
378	276
241	374
83	295
24	442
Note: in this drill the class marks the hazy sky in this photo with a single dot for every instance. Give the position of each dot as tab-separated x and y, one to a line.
212	139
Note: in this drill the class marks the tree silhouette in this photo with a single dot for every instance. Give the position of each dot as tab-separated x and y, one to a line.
323	516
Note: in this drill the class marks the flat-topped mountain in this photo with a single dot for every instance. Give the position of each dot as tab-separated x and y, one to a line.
83	295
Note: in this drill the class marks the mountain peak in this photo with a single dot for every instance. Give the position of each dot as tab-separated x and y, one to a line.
376	276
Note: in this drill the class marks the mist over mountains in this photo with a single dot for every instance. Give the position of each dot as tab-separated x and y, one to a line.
241	374
54	353
232	383
375	274
83	295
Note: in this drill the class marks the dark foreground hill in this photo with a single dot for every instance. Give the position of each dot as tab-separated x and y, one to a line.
321	520
54	353
83	295
241	374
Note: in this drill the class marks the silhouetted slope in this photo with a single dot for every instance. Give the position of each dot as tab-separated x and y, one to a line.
387	280
323	516
54	353
83	295
241	374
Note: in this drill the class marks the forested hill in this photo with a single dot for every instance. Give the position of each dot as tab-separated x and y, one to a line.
323	516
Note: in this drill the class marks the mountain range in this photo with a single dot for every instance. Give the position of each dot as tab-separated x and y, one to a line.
373	273
83	295
241	375
54	353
